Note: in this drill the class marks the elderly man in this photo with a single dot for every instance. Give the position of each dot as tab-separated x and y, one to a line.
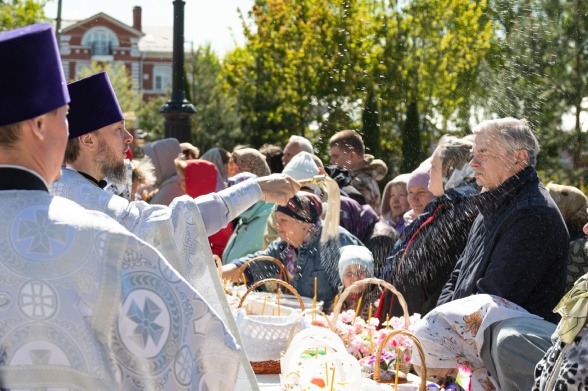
96	149
85	304
518	245
295	145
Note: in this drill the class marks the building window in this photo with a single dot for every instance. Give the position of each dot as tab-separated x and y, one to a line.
101	39
161	79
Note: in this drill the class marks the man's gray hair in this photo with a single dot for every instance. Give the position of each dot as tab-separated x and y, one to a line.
516	134
304	143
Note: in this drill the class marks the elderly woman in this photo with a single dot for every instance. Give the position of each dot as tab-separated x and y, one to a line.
248	160
395	203
424	257
220	158
301	251
357	263
418	193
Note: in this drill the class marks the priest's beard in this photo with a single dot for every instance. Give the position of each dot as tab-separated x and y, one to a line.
107	161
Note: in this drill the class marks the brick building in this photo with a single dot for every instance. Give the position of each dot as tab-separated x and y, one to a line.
145	51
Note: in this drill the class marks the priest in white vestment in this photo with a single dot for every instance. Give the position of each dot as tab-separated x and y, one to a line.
96	150
84	304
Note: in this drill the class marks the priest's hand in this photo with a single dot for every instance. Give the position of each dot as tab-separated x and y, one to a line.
278	188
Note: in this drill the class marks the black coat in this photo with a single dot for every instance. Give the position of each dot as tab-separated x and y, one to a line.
423	260
517	248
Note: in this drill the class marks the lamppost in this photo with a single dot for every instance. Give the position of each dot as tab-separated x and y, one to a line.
178	109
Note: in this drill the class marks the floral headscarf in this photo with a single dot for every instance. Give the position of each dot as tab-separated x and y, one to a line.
305	207
456	155
251	160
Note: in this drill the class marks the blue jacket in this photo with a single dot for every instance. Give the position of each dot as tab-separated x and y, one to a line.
314	260
247	236
517	248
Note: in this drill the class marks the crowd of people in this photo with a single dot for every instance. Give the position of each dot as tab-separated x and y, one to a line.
108	271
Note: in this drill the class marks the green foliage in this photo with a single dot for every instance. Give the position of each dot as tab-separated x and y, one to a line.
18	13
128	97
150	120
535	71
411	139
302	65
217	122
332	65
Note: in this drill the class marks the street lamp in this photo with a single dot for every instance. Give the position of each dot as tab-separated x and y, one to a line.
178	109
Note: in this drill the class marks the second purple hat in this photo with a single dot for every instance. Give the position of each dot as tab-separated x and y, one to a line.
93	105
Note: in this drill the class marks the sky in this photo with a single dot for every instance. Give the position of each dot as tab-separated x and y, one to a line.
205	21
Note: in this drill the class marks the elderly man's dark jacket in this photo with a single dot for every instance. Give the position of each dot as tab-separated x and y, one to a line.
517	248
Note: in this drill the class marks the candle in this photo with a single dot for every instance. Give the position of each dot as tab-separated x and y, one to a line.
387	320
263	306
316	353
279	291
333	379
314	300
370	313
371	341
357	310
326	374
397	369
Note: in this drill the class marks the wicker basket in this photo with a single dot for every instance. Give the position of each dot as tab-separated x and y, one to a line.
417	343
404	367
271	366
368	281
243	267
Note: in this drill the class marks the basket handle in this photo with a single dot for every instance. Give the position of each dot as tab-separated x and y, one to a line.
283	283
374	281
423	372
242	268
219	265
299	318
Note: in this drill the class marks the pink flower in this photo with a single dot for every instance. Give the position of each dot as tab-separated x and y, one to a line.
374	322
347	316
464	377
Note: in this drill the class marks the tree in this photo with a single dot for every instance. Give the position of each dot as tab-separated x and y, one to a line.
128	97
216	122
300	67
150	120
18	13
535	71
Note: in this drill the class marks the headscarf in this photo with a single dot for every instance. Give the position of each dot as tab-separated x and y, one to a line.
385	211
200	176
456	156
573	309
572	204
355	255
251	160
305	207
215	156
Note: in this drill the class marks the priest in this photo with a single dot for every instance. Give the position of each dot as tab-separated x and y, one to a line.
84	303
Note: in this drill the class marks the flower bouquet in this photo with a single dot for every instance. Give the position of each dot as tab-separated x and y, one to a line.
371	345
363	340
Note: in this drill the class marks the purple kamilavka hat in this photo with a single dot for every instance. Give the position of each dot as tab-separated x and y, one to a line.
93	105
31	76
